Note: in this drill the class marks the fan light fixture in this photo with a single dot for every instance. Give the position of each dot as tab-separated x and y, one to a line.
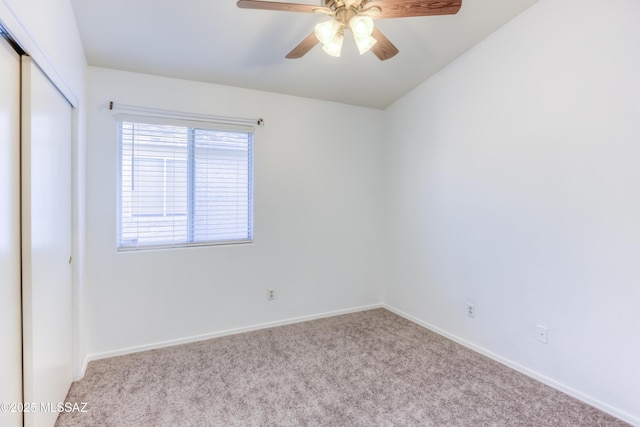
326	31
334	46
357	16
331	34
362	27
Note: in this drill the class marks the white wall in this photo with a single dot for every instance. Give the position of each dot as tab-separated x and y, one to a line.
514	185
47	30
318	207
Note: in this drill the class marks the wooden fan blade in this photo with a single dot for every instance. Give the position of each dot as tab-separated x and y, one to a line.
273	5
305	46
409	8
383	49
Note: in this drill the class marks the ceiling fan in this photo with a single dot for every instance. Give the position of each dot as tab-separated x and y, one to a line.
357	16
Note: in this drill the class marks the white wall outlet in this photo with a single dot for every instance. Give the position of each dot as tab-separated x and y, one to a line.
271	294
471	310
541	333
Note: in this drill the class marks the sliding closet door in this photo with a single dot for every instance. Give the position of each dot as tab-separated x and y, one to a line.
10	324
46	243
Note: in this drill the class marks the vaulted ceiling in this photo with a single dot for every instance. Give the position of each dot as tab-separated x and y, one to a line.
215	41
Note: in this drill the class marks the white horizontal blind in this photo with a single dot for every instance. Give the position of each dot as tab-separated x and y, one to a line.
183	185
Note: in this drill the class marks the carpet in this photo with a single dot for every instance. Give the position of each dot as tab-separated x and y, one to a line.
371	368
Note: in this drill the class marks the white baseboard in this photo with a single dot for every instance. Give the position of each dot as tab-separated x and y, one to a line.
83	369
223	333
507	362
635	421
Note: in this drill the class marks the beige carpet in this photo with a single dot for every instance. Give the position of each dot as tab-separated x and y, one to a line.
364	369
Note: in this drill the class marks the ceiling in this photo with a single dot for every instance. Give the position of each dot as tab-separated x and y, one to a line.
215	41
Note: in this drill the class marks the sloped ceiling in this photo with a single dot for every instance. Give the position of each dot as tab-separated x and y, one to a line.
215	41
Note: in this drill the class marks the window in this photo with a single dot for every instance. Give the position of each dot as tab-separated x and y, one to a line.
183	183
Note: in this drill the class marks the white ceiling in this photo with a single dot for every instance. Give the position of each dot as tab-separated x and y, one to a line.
215	41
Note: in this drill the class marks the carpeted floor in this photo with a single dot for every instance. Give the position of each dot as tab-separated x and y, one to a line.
371	368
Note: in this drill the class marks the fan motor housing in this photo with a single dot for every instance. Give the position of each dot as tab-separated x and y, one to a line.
342	12
339	4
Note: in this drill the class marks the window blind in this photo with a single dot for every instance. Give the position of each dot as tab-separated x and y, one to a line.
183	183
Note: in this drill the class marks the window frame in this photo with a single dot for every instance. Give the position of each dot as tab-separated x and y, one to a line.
192	127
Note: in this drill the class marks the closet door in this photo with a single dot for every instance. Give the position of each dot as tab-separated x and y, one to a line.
46	244
10	323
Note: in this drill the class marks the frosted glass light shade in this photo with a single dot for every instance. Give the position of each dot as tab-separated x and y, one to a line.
362	26
365	44
334	46
327	31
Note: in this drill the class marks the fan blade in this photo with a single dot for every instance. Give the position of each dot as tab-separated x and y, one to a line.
384	49
409	8
305	46
289	7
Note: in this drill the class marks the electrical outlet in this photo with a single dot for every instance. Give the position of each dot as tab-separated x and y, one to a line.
541	334
471	310
271	294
